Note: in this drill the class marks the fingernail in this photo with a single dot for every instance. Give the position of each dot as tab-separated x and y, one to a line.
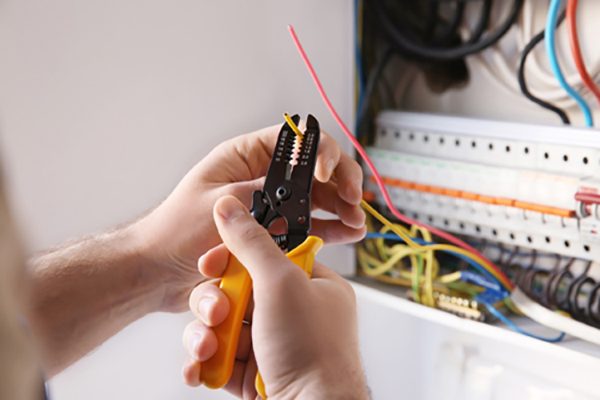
329	168
230	209
205	307
196	343
201	260
355	193
363	217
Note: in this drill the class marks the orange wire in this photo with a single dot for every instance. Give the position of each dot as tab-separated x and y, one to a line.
386	196
576	49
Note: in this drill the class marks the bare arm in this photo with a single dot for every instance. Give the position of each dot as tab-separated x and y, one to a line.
88	290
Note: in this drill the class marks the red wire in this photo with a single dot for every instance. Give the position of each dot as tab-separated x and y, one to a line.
388	201
576	49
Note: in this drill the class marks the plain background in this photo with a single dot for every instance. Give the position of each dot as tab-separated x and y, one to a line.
106	104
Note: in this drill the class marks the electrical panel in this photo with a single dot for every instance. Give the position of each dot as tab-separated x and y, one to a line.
440	86
532	189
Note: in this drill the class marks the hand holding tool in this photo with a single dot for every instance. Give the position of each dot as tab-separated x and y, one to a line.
285	195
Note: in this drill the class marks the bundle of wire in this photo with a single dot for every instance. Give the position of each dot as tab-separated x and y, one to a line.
406	43
556	91
428	33
421	42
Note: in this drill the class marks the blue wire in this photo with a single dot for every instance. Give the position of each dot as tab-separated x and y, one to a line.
514	327
554	64
358	62
473	263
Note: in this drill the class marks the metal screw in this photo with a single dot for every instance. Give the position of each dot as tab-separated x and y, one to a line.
281	193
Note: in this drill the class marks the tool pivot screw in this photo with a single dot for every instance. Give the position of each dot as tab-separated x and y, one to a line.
282	193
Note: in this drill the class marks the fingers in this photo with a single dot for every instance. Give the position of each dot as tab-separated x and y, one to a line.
241	383
248	388
349	177
326	197
201	344
328	157
249	242
209	304
213	263
331	161
199	341
191	373
256	149
335	232
245	343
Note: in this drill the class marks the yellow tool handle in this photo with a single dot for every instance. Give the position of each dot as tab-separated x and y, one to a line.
237	286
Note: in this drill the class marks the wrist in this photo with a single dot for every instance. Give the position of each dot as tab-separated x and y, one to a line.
172	276
145	279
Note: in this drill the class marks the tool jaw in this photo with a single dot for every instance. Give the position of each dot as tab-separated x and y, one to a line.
287	189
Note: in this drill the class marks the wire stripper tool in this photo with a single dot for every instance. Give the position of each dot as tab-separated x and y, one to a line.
285	195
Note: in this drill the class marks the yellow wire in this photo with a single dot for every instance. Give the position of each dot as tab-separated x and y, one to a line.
431	265
386	251
368	264
428	299
392	255
449	278
292	125
394	228
377	267
421	249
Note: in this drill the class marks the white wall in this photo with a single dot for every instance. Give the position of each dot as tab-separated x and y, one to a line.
104	105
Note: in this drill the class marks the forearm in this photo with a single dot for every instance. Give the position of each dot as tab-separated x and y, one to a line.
86	291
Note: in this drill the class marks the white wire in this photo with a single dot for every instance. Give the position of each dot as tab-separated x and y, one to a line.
500	71
542	82
552	319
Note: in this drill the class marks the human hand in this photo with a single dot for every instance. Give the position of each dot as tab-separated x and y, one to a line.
181	229
302	332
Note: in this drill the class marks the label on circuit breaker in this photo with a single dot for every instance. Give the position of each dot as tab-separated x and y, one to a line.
589	228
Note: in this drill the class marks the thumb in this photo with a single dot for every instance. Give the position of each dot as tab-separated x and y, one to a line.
243	190
247	240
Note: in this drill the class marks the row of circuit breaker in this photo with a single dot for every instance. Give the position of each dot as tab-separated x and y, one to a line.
527	185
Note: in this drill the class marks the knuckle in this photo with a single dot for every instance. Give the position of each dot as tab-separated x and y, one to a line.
348	289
